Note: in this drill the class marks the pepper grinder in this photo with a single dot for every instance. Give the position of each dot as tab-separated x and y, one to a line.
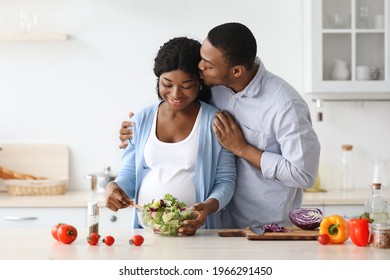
93	217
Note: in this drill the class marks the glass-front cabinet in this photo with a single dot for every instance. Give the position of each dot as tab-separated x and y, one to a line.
347	48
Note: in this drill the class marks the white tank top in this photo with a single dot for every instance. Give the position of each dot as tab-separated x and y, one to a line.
170	167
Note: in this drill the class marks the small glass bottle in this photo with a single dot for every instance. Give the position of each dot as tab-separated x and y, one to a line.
93	217
376	207
346	167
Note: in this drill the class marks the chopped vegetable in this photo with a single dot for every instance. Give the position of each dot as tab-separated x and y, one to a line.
306	218
336	227
165	216
274	228
258	228
359	231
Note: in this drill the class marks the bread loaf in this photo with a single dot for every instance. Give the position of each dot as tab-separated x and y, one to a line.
10	174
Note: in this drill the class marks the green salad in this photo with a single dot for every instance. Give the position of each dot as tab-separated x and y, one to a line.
165	216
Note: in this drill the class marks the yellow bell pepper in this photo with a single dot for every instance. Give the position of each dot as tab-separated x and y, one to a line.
336	227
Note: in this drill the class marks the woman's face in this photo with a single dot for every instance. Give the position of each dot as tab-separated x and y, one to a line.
178	89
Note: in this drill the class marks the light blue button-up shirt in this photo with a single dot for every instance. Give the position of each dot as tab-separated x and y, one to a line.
274	118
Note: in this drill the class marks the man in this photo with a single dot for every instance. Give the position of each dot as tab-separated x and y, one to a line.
264	121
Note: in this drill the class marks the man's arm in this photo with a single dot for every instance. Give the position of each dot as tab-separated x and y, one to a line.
125	133
296	166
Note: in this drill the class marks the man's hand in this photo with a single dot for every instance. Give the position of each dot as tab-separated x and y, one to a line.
228	133
231	138
116	198
125	133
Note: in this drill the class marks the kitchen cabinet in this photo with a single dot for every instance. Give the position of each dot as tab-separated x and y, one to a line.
344	203
77	216
347	45
48	210
42	217
346	211
122	219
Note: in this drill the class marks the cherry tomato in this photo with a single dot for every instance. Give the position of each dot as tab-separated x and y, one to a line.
108	240
67	234
137	240
93	238
323	239
54	230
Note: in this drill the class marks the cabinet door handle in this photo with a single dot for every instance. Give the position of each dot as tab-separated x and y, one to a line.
113	218
14	218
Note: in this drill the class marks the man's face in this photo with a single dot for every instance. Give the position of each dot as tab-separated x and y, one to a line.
213	68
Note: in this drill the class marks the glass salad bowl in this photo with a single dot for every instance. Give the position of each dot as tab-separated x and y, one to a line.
165	216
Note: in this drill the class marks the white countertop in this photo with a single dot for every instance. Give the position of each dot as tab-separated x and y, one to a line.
80	198
205	245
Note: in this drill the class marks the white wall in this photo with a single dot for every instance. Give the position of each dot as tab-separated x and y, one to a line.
77	92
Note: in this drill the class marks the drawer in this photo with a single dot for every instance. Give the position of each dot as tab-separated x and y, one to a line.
346	211
122	219
42	217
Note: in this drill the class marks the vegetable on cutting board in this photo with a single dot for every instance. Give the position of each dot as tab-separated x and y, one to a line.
336	227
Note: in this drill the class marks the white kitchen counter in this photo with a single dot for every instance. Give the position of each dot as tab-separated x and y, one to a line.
38	244
80	198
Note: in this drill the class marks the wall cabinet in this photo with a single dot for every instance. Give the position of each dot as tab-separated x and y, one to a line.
347	48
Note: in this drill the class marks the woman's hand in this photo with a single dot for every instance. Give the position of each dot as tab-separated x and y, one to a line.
116	198
203	209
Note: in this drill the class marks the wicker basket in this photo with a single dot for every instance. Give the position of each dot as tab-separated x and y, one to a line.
36	187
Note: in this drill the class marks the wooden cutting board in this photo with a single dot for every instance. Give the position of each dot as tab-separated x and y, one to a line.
294	234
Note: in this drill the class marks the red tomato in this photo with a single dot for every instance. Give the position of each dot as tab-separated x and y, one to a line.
54	230
67	234
323	239
108	240
93	238
137	240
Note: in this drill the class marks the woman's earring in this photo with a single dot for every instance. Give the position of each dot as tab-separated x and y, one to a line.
200	88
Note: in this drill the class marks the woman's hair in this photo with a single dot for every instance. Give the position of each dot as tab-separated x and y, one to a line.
236	42
183	54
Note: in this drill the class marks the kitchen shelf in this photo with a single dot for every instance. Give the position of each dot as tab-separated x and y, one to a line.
33	36
347	49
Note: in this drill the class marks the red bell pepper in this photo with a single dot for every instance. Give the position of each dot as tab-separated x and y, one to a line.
359	231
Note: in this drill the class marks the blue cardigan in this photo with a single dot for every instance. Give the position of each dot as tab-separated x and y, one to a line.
215	170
